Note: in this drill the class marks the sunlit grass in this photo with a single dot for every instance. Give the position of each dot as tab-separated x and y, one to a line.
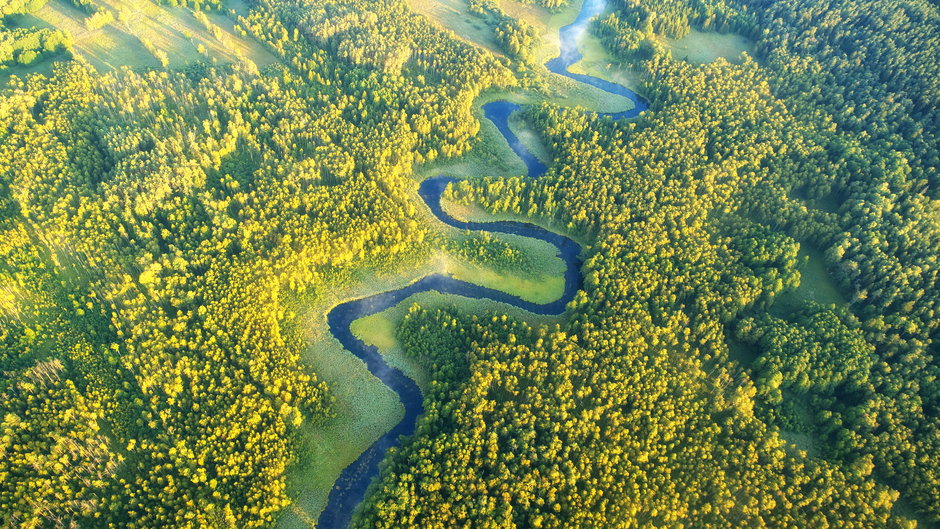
173	30
544	283
453	15
365	409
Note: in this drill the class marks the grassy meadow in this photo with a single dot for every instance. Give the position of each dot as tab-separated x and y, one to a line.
700	47
174	31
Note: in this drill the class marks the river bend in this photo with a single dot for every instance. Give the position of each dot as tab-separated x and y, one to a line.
350	489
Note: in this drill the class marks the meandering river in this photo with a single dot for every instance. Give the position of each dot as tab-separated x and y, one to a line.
349	490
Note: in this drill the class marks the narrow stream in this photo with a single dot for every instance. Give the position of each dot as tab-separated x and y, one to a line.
350	489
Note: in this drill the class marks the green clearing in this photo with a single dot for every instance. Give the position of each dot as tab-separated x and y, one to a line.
801	442
42	66
816	285
173	30
805	441
539	289
543	284
905	508
700	47
563	91
454	15
742	353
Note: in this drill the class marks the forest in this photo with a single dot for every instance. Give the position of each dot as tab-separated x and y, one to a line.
755	343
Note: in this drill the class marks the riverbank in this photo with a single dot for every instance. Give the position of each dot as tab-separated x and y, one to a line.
365	326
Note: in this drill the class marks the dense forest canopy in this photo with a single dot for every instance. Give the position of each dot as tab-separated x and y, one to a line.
163	228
